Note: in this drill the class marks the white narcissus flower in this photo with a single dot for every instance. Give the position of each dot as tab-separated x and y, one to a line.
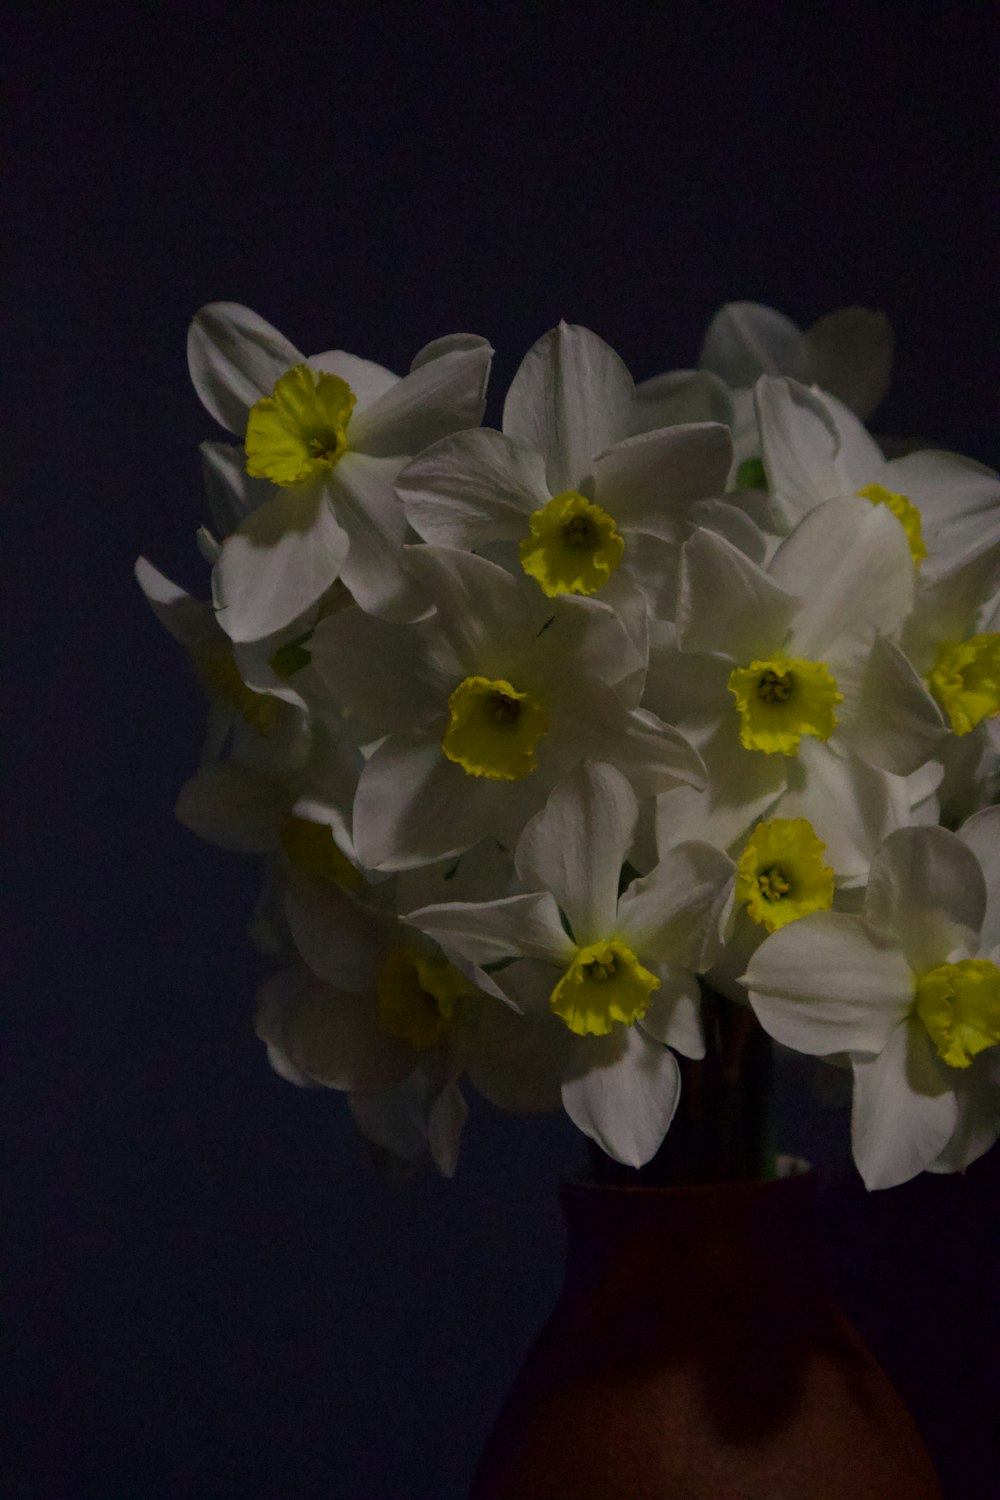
604	996
584	505
952	637
375	1009
327	435
909	991
480	708
788	684
848	353
814	449
272	775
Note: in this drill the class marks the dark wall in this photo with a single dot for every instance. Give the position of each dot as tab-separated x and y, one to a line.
211	1296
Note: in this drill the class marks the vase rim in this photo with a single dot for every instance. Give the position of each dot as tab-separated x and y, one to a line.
795	1176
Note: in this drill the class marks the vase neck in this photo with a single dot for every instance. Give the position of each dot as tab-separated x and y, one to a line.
705	1250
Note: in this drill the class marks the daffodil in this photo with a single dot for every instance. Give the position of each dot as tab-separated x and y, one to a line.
848	353
474	713
327	434
273	775
373	1008
787	680
909	992
815	449
570	493
607	983
952	638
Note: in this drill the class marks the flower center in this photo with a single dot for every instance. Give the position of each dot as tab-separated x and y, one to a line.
781	874
572	546
493	729
416	996
960	1006
220	676
312	848
605	983
301	430
906	514
772	884
781	700
775	687
965	680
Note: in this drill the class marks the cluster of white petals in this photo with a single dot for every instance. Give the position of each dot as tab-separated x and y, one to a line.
539	733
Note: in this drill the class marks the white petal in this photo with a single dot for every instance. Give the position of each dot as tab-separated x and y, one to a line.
850	353
977	1091
191	622
232	806
891	720
729	519
664	913
449	343
378	673
747	339
280	559
653	755
927	889
943	486
576	846
484	617
648	483
627	598
830	983
799	442
519	1061
626	1099
742	786
576	641
981	834
444	1128
235	358
444	394
689	689
849	562
365	501
230	491
947	608
395	1118
674	1014
414	805
331	1036
859	458
207	545
681	396
571	399
851	805
904	1110
727	603
367	380
342	941
472	488
958	541
487	931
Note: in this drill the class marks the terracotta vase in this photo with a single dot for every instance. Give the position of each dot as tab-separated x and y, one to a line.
695	1354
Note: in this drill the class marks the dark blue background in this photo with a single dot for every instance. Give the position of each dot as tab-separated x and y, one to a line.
210	1294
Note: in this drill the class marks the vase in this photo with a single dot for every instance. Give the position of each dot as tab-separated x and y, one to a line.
696	1354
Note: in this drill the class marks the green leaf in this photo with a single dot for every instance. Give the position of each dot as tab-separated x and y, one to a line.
291	657
751	475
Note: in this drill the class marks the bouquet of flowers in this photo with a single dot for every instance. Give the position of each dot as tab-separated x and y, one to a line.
664	701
